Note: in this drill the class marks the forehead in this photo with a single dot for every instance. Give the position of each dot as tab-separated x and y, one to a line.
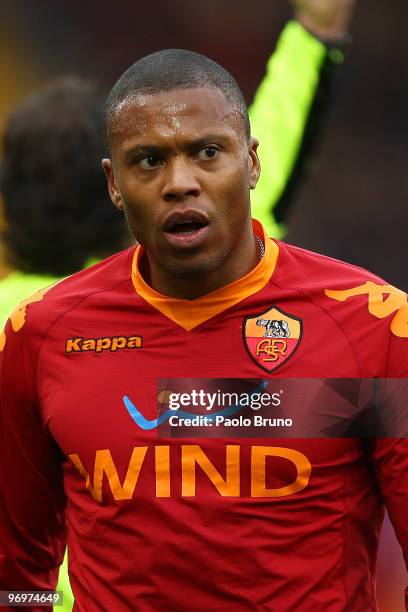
174	113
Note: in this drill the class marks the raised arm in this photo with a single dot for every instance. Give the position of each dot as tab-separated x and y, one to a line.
292	97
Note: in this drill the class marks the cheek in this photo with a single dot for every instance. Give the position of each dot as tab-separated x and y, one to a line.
137	198
136	217
140	206
235	192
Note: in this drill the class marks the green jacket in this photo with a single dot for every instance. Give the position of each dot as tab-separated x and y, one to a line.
291	97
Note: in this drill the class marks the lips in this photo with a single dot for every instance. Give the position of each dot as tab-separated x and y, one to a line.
185	221
186	229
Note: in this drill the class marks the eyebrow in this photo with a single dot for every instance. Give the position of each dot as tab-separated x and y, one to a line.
142	150
145	149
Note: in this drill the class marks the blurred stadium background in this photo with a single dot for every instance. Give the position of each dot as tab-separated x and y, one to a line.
354	206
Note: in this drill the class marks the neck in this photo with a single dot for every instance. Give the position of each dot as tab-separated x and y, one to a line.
241	260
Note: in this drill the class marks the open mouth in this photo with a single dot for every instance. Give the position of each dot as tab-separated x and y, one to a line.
186	227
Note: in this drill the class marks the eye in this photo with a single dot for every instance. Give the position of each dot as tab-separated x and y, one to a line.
208	152
150	162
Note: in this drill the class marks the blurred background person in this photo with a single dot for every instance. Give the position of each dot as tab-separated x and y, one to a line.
56	213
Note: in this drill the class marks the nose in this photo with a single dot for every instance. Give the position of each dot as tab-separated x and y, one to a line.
180	180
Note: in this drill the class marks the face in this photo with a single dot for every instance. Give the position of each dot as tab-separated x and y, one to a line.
181	168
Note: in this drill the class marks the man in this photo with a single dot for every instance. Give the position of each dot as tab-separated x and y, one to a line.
65	115
201	522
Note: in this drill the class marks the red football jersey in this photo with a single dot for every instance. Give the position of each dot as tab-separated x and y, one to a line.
197	524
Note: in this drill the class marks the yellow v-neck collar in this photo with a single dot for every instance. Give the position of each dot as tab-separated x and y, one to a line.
188	314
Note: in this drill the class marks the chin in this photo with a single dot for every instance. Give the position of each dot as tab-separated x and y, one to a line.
193	267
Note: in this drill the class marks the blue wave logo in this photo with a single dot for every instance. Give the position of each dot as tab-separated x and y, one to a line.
148	425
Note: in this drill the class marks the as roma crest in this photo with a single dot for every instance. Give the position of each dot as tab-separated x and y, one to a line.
271	337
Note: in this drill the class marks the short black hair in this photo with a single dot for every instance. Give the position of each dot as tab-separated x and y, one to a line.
172	69
57	209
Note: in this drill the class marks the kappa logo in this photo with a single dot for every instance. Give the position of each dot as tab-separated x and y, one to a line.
271	337
383	301
98	345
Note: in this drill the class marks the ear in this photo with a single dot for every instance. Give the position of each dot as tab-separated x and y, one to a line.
254	165
113	189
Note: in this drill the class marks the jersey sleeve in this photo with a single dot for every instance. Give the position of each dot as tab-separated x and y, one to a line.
32	500
390	455
280	113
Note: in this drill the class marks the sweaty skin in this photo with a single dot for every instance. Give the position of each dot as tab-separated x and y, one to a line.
185	152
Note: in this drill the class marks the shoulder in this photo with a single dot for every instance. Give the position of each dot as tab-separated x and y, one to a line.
372	313
34	315
17	286
317	273
101	277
